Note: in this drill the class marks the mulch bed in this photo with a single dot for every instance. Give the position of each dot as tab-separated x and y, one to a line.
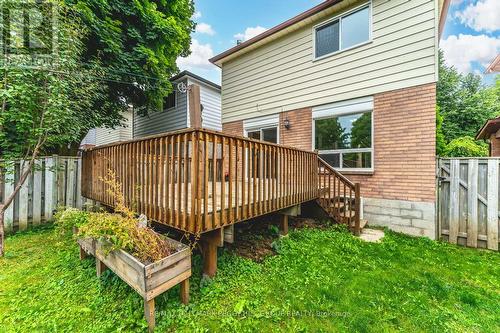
254	239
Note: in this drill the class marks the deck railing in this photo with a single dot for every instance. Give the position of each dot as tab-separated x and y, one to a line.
198	180
339	197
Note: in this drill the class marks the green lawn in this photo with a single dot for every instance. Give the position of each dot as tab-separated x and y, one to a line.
321	280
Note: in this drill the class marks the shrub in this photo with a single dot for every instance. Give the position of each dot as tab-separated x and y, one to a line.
466	146
124	232
68	218
121	230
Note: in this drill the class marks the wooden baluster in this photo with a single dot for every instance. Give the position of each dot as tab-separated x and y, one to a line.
186	182
255	196
173	213
168	181
215	222
178	215
272	176
260	178
243	180
236	181
350	206
230	179
207	224
223	183
345	203
267	179
161	168
154	185
194	182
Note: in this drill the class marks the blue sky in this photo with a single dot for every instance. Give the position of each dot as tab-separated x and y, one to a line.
470	41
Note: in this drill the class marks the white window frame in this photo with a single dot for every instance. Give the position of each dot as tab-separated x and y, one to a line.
357	106
259	124
339	18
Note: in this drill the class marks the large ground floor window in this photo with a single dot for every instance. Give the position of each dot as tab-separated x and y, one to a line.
343	134
263	129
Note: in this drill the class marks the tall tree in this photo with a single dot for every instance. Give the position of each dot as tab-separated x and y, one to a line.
464	102
47	106
138	43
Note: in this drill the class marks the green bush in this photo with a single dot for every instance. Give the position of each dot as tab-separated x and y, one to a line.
68	218
466	146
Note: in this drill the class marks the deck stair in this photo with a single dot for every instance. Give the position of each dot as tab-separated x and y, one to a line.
340	198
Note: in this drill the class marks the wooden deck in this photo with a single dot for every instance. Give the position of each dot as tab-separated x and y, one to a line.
199	180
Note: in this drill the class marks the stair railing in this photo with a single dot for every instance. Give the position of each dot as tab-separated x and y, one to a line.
339	197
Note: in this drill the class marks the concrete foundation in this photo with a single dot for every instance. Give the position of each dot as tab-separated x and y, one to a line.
409	217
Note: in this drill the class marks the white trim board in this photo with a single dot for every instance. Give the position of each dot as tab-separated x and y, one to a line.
357	105
260	122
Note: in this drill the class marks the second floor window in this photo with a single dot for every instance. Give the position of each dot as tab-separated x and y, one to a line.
343	32
169	101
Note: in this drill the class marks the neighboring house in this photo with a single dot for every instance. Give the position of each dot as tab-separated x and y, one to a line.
491	132
175	115
494	67
355	80
491	129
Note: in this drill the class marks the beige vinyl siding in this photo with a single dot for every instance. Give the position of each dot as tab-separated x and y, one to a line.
282	75
104	136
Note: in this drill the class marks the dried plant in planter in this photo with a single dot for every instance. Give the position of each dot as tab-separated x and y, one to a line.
121	230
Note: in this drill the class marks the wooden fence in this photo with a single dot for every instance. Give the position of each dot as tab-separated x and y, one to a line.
200	180
55	181
468	201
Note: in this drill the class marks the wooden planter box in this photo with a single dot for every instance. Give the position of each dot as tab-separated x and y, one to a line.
148	280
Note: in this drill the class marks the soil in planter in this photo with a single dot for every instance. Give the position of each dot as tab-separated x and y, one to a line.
254	239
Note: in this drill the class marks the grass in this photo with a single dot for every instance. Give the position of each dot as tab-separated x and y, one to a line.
320	281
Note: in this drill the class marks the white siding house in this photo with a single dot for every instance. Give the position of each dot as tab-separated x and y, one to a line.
174	117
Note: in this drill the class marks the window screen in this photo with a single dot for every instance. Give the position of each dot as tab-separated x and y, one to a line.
327	39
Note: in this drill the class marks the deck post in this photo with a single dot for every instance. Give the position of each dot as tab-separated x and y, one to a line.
209	244
185	291
357	205
83	254
195	107
149	313
100	267
284	224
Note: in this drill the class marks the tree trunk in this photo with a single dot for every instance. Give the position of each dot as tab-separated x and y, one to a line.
10	199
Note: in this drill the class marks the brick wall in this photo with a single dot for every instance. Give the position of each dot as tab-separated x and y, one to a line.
233	128
404	143
300	132
405	139
494	145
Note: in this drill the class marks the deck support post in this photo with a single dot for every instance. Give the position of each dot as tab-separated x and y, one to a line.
83	254
149	313
195	107
209	243
284	224
100	267
185	292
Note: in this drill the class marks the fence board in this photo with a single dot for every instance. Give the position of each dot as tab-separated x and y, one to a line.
469	201
472	214
23	199
47	186
8	189
37	188
492	224
454	200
